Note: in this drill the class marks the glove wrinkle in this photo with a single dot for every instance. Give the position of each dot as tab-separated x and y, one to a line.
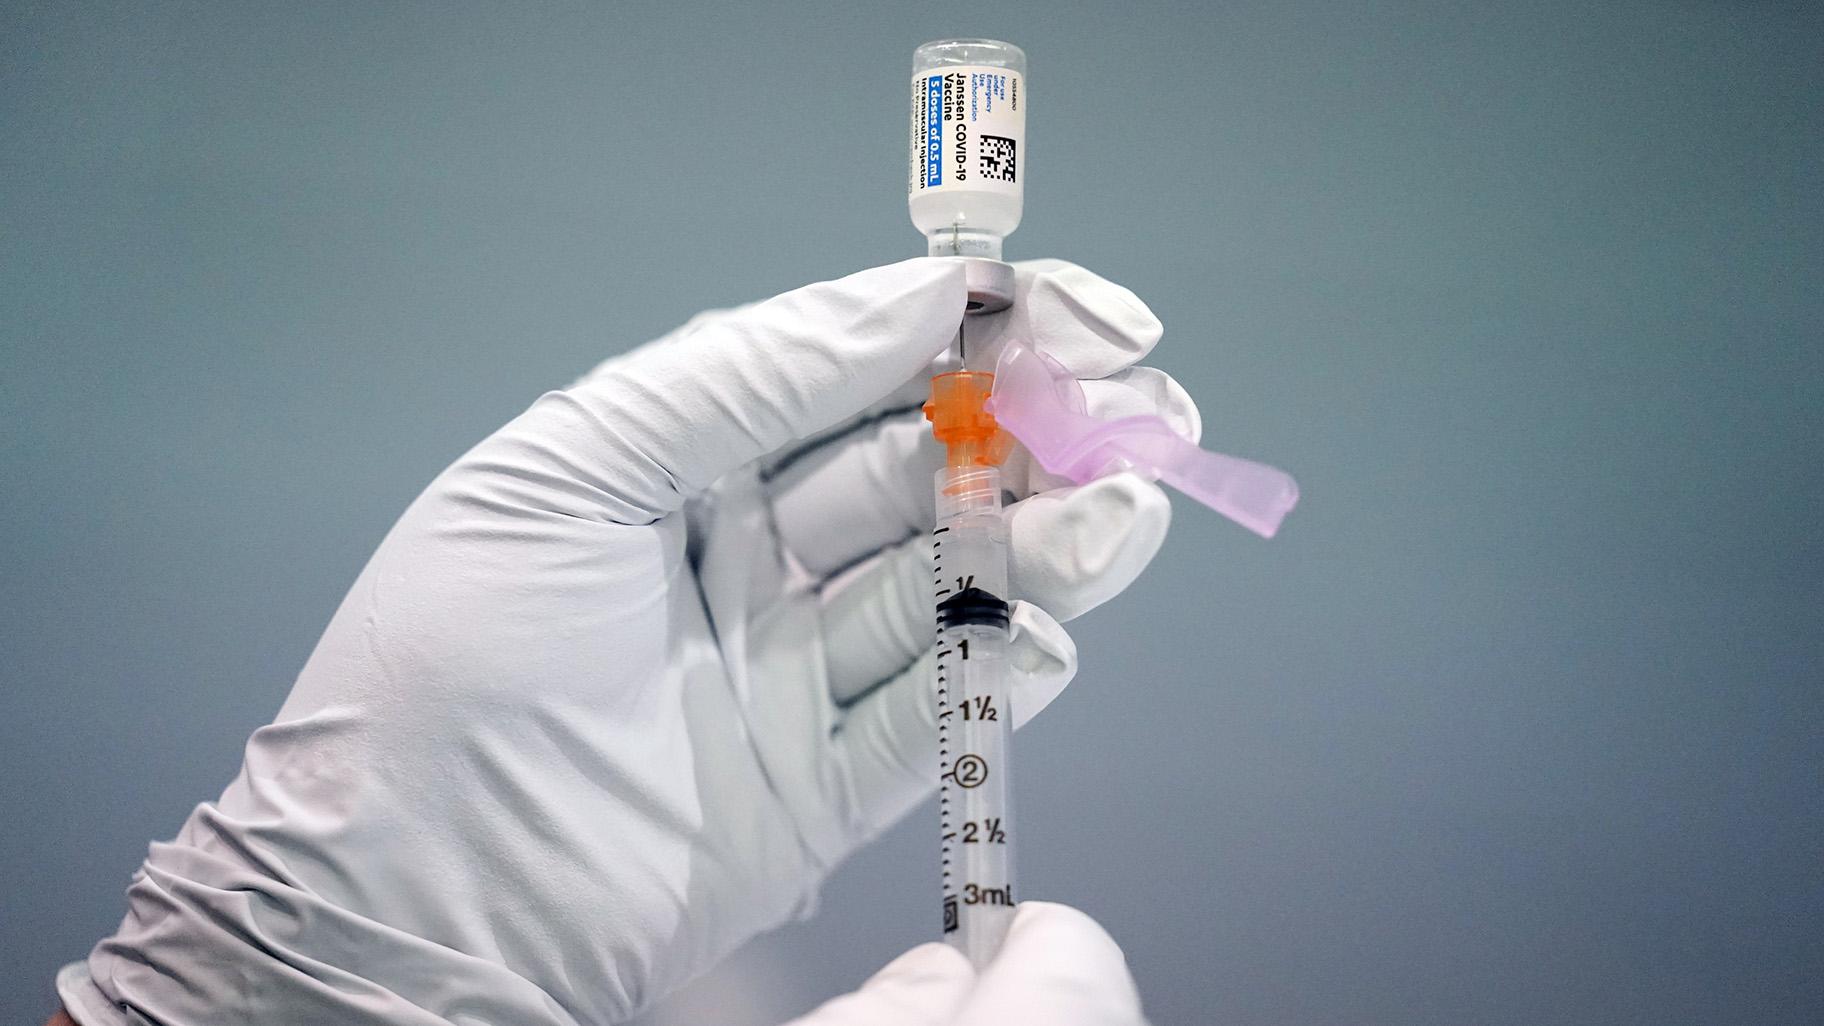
868	420
196	910
550	459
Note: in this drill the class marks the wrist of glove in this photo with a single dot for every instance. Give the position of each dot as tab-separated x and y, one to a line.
632	675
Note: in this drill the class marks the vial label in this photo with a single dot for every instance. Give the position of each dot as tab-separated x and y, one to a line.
968	128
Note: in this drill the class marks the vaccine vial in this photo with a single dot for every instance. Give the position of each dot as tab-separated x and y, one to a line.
968	145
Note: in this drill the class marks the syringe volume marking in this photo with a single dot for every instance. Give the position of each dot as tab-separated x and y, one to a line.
982	707
987	831
974	895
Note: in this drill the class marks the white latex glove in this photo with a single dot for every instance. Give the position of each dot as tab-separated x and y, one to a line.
595	713
1058	967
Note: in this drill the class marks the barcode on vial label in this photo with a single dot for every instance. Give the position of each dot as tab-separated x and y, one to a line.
998	158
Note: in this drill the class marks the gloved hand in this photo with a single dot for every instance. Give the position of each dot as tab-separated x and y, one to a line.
1057	967
630	677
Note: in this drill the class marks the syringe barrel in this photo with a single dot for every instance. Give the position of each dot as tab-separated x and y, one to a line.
974	710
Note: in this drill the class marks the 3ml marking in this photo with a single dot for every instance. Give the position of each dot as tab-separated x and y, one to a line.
974	895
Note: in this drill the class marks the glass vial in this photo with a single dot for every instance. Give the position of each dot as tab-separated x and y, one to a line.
968	145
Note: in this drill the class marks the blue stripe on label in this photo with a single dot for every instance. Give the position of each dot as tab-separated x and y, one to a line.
934	130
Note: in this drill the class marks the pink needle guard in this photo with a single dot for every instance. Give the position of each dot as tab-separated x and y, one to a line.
1041	404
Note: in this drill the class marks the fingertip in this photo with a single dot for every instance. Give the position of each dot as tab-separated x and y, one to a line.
1043	657
1180	410
1143	392
1076	548
1149	514
898	316
943	279
930	288
1051	649
1089	324
934	271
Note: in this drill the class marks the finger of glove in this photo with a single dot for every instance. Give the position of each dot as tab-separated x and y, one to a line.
1073	549
854	498
906	396
1090	325
1057	966
650	431
840	504
886	746
1070	551
1133	392
923	987
904	402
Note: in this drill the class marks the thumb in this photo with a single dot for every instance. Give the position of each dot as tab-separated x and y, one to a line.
919	988
655	428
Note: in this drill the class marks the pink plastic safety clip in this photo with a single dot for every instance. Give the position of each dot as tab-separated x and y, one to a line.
1040	403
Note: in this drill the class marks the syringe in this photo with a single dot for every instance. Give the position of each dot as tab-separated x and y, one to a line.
974	715
964	188
964	191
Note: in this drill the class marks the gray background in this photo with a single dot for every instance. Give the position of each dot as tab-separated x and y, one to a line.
1518	721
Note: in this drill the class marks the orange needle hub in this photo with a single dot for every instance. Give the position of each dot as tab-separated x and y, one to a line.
960	421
